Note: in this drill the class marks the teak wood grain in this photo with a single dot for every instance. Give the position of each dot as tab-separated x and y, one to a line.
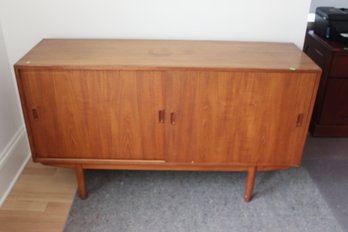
237	117
167	105
104	114
165	54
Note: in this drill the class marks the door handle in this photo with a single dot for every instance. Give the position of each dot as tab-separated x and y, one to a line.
172	118
318	52
35	113
161	114
299	120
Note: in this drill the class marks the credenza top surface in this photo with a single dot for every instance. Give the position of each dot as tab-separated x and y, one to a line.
164	54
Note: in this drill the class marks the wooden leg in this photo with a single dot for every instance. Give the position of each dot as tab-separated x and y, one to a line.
80	175
250	183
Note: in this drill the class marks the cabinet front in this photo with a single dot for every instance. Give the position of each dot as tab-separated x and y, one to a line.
335	107
94	114
238	117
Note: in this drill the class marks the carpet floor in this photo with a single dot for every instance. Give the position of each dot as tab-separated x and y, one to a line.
326	160
140	201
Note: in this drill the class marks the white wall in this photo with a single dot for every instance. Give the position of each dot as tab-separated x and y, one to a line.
10	117
26	22
14	149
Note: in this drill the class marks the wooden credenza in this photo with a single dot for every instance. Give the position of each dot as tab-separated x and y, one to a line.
167	105
330	116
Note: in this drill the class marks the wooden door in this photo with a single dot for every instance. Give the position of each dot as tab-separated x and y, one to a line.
95	114
238	117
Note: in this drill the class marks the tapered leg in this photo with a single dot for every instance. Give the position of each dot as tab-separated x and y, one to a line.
80	175
250	183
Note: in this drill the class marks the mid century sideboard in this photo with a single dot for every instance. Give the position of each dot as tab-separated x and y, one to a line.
167	105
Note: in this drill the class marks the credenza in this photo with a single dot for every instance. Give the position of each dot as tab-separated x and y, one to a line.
167	105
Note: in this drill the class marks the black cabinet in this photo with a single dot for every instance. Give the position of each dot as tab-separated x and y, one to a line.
330	116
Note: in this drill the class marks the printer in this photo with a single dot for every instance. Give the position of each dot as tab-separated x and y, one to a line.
331	23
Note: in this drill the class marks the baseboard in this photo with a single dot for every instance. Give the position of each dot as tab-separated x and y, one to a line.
12	161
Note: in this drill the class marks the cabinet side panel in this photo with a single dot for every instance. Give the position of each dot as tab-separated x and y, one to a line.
22	95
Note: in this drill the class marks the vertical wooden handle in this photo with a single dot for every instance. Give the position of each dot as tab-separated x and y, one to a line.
161	114
35	113
299	120
172	118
